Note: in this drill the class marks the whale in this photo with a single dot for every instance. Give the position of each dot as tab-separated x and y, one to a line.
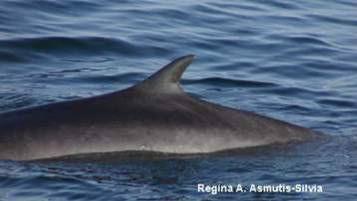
155	115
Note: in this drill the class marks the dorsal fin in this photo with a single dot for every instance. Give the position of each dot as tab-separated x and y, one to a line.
167	79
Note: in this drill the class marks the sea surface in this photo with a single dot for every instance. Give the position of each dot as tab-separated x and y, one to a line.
292	60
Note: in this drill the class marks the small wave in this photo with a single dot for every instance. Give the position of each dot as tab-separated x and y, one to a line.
9	101
297	108
58	44
283	4
334	20
225	82
79	46
233	6
296	91
337	103
6	56
127	78
310	39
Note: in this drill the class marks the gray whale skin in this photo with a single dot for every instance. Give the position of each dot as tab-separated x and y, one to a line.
154	115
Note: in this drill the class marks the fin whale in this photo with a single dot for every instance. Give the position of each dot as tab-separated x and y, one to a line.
153	115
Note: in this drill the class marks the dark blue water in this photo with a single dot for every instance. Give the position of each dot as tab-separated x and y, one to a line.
293	60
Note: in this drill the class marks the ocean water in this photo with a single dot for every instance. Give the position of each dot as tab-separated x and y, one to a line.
292	60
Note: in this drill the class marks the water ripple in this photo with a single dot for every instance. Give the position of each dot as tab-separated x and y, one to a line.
224	82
